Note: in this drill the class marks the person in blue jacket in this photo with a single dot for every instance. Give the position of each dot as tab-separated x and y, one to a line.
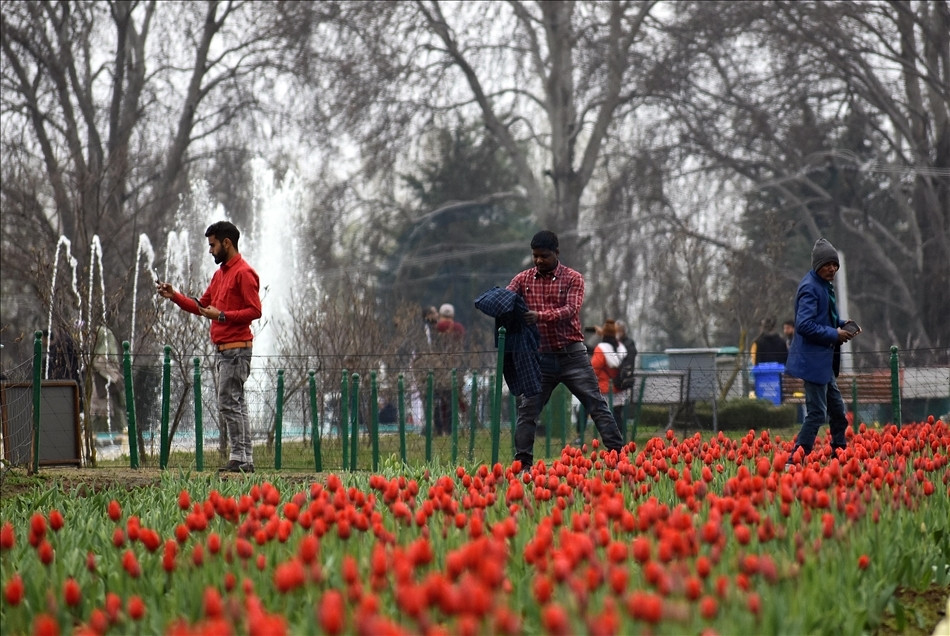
819	334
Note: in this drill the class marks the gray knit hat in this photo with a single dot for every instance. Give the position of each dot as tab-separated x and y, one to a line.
822	254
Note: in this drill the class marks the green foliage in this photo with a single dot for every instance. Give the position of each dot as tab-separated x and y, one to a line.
468	230
734	415
744	414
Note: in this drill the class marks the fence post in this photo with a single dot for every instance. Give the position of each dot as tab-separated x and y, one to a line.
638	409
315	424
563	417
496	398
566	406
37	385
279	421
354	419
199	428
130	405
854	402
496	401
454	417
473	418
401	401
513	409
374	418
895	388
166	399
430	399
345	418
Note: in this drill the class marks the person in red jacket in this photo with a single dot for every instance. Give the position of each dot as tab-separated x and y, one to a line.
231	302
608	354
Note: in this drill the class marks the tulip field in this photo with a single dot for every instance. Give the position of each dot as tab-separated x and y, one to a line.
702	535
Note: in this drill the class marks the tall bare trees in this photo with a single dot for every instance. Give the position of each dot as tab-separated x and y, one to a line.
833	118
635	129
549	80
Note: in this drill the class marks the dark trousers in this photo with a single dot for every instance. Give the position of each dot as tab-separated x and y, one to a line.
822	401
571	368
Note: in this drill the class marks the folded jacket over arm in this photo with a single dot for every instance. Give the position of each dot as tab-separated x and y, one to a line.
521	368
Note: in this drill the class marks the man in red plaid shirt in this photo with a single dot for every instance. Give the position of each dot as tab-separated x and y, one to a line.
554	294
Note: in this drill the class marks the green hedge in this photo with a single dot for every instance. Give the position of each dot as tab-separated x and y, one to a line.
735	415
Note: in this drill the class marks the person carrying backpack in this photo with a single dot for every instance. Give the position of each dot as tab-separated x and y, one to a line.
606	361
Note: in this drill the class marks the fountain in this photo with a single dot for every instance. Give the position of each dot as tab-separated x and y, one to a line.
269	244
63	243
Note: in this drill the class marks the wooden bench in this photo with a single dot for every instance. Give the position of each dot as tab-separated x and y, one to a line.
872	388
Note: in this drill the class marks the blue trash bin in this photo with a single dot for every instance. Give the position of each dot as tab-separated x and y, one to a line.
768	381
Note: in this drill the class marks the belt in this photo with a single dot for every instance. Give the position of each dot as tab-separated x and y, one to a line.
574	346
243	344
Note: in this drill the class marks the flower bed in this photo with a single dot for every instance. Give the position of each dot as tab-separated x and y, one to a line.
681	536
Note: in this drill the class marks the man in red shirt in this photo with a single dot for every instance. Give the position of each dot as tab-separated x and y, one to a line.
554	294
232	301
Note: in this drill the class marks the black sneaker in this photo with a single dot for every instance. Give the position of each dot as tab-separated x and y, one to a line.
246	468
233	466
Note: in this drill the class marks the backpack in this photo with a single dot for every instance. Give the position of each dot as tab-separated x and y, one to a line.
624	379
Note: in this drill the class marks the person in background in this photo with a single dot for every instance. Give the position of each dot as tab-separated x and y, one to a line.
231	302
769	346
417	367
620	412
447	324
449	342
624	339
608	354
819	333
430	318
554	294
788	330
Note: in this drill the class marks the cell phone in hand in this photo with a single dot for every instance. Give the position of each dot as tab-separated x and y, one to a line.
197	302
851	327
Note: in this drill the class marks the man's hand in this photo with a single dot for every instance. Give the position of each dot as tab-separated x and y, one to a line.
210	311
165	290
844	335
531	317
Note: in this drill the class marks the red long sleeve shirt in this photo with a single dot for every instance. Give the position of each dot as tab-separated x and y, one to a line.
557	297
235	290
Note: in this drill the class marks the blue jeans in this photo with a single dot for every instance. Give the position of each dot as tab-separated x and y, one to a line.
822	401
234	366
572	368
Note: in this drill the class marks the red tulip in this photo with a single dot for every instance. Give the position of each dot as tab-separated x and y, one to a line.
38	525
55	520
45	551
555	619
113	606
131	565
212	604
71	592
331	612
115	512
7	536
45	625
136	608
708	607
198	555
13	590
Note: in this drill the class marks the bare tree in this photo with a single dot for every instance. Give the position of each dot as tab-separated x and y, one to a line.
833	119
549	80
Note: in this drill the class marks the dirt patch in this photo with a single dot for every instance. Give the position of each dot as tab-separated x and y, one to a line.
83	481
921	611
88	481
